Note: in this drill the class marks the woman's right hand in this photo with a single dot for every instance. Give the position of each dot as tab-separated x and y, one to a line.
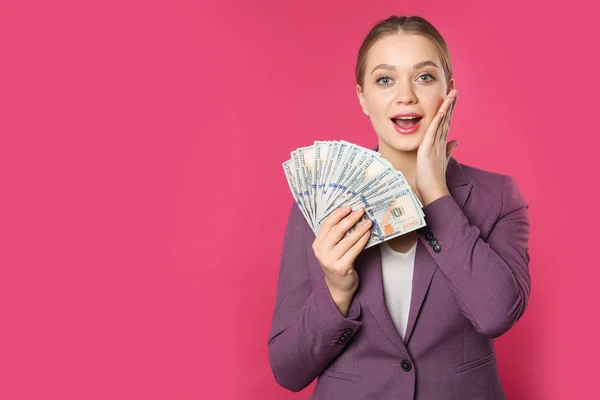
337	253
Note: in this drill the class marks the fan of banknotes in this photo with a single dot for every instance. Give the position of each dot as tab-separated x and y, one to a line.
333	174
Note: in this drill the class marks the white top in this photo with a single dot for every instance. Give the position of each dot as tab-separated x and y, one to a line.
397	270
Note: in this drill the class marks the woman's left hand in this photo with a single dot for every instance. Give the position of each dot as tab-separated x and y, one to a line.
433	154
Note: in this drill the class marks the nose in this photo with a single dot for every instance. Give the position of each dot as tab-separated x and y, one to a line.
405	94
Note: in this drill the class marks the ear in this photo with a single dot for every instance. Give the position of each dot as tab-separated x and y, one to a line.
361	99
450	86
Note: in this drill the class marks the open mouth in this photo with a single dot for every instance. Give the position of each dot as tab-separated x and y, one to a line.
406	122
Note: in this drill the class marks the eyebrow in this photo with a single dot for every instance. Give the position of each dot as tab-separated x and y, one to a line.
416	66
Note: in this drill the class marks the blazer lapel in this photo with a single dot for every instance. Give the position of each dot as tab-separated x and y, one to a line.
371	289
371	278
425	265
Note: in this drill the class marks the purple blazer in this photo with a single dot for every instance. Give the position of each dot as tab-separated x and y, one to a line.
470	289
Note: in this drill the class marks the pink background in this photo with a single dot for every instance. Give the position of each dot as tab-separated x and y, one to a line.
143	201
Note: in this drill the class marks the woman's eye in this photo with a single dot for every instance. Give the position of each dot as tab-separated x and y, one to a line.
430	78
384	80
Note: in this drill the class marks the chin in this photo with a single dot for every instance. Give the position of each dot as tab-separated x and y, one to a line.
404	143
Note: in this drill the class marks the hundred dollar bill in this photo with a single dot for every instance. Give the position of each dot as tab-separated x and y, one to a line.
346	165
327	171
306	158
356	165
393	217
390	190
372	188
292	182
321	152
302	186
339	154
338	164
365	173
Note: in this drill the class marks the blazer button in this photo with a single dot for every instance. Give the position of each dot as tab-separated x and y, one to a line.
429	236
348	331
406	365
423	230
433	242
437	248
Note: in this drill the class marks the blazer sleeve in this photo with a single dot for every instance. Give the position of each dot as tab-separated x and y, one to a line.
307	330
490	279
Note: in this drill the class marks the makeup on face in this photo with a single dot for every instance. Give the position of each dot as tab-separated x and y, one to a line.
407	123
404	86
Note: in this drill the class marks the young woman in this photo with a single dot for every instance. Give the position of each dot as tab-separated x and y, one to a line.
414	317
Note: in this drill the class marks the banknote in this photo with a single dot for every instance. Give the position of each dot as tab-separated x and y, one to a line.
392	216
328	175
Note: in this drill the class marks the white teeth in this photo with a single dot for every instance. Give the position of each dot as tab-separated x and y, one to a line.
407	118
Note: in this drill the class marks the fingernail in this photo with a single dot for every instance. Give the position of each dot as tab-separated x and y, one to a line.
346	209
367	223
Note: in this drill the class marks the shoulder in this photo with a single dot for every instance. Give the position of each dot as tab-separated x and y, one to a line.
493	187
484	180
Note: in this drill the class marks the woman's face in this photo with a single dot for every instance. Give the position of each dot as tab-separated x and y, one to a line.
403	78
